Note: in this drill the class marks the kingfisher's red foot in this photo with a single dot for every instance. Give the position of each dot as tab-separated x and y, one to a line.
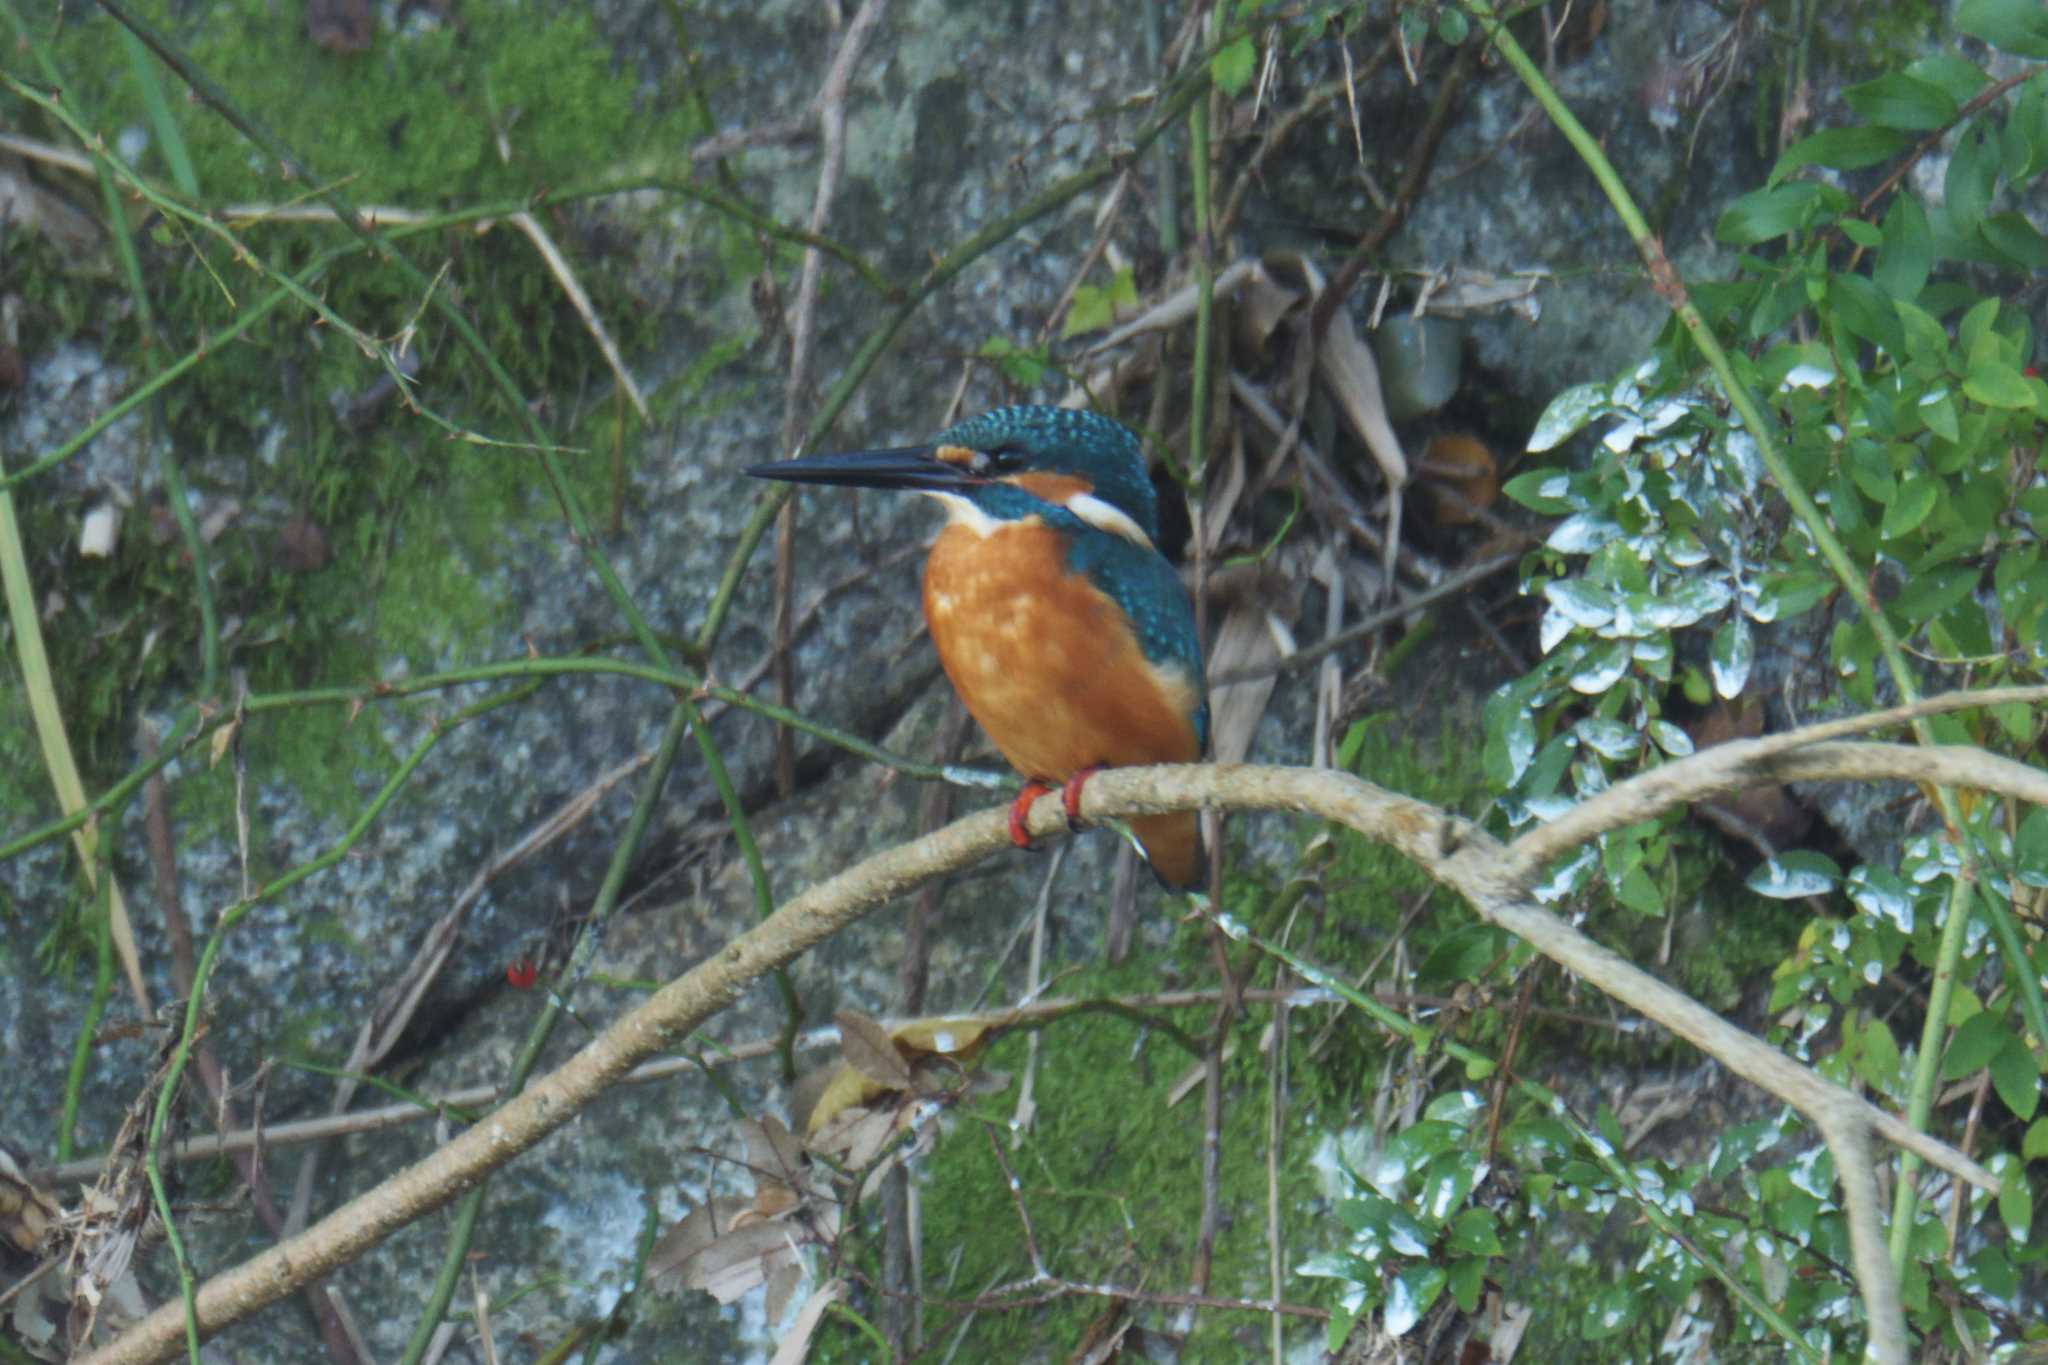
1070	794
1020	812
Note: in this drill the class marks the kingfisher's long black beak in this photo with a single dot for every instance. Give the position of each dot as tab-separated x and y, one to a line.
911	468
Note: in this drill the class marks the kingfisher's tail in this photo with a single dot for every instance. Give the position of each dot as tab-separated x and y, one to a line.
1173	845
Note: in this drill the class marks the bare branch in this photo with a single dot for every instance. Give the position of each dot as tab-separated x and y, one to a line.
1454	852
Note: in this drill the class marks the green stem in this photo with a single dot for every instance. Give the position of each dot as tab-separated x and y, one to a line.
189	724
95	1008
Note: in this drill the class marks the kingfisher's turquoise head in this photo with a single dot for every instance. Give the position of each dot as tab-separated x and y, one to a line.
1003	464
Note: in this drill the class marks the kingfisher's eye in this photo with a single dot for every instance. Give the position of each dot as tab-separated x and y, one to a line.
1004	458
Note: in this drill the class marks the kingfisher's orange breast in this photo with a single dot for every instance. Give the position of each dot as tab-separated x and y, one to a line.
1045	661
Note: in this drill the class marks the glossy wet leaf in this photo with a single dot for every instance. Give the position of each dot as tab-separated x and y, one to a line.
1582	533
1410	1296
1789	876
1732	655
1608	738
1601	669
1879	891
1567	415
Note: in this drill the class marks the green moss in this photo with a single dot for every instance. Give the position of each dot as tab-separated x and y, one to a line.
1111	1173
521	98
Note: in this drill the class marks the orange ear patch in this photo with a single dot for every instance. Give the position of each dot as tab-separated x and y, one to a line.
1052	488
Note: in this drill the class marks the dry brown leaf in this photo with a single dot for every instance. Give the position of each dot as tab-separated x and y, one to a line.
783	1282
797	1343
1463	293
1345	365
1223	486
222	738
1252	635
1262	305
724	1259
868	1049
1178	307
27	1212
696	1230
856	1135
847	1089
773	1152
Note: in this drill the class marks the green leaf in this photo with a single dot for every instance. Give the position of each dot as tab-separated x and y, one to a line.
1960	78
1916	499
2016	1203
1611	1311
2031	847
1982	1036
1528	490
1870	468
2012	236
1022	366
1866	311
1472	1234
1566	415
2016	26
1464	953
1976	324
1095	306
1972	174
1996	384
1878	1060
2035	1145
1411	1294
1928	594
1908	250
2017	1079
1764	214
1898	100
2025	141
1640	894
1232	68
1794	592
1938	410
1795	873
1468	1279
1841	149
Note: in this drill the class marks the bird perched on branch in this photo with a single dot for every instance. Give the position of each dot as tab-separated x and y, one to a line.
1065	631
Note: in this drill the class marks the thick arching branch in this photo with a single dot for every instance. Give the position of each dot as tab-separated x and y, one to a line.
1452	850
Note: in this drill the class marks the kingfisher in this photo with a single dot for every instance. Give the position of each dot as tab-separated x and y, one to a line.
1066	633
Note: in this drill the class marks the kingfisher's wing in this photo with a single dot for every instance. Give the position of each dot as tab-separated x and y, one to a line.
1149	591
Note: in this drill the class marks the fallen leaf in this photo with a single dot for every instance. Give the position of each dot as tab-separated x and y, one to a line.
868	1049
